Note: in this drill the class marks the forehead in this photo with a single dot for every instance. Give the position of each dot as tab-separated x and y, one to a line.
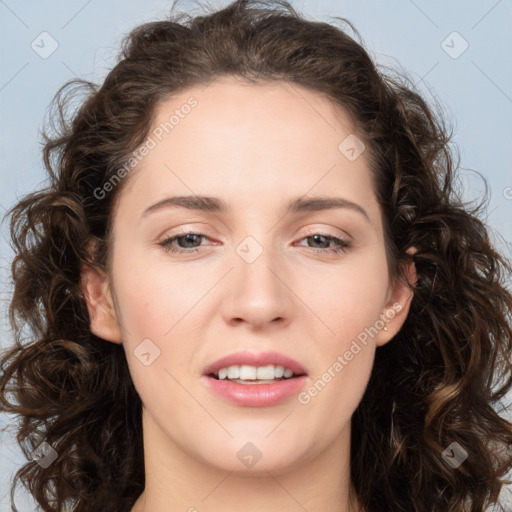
232	138
233	107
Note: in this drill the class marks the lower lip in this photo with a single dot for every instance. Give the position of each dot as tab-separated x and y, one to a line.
256	395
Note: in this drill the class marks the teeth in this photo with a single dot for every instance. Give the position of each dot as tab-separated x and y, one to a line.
247	372
233	372
265	372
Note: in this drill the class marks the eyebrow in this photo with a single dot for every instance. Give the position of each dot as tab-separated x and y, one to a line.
216	205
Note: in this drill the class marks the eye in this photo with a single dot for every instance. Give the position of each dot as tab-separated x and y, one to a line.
318	238
189	241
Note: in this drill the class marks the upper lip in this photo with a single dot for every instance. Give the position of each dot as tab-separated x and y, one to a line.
255	359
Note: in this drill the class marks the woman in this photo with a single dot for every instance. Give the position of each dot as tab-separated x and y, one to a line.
250	285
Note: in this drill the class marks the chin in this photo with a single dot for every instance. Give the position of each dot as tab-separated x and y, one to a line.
254	457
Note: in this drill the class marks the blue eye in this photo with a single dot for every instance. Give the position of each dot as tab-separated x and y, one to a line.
190	243
189	239
340	245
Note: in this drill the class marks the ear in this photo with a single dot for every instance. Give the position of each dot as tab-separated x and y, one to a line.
103	318
399	300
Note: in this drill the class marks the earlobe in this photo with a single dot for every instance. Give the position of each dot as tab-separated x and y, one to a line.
398	305
103	319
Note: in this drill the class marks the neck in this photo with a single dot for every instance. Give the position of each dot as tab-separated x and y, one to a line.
175	480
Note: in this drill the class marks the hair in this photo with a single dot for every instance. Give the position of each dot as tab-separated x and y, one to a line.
439	381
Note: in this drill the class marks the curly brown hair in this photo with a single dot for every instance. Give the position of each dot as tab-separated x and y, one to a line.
439	381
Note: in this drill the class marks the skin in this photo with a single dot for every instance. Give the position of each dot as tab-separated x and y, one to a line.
257	147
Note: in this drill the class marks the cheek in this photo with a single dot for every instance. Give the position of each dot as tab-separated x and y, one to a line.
158	344
350	304
150	303
348	298
150	297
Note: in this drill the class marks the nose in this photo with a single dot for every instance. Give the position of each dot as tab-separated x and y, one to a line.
257	293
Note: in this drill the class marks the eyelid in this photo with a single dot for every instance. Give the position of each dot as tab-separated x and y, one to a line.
327	232
310	231
195	229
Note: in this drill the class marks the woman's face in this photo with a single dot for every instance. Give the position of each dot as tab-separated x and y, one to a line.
257	277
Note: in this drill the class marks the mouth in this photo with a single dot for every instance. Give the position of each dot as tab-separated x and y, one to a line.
255	380
247	374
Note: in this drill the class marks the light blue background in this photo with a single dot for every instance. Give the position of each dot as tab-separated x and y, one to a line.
475	90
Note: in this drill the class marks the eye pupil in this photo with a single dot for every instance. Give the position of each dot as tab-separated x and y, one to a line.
316	237
189	238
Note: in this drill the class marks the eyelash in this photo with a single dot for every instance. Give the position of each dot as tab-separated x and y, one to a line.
343	245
